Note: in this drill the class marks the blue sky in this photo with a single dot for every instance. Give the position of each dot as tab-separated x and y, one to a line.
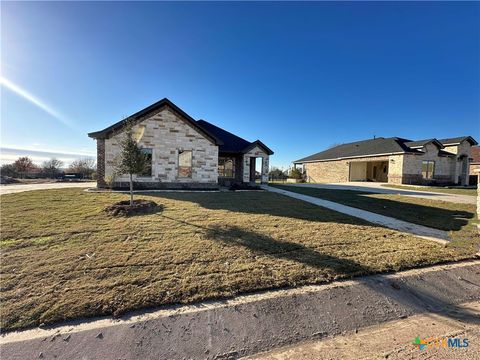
298	76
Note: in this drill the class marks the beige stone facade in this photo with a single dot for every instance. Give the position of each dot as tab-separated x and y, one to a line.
404	168
184	153
167	134
256	152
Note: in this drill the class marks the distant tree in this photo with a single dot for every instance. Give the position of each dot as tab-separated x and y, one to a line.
52	167
8	170
84	166
295	173
131	161
23	165
277	174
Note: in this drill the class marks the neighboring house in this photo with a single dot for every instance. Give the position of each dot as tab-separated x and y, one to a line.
475	162
474	165
394	160
183	153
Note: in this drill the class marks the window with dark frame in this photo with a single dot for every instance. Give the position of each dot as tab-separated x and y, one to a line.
185	163
148	166
428	168
226	167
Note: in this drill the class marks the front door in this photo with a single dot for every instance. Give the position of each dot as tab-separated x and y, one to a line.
252	169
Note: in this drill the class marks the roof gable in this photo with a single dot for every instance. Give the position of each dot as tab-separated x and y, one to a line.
458	140
421	143
148	112
371	147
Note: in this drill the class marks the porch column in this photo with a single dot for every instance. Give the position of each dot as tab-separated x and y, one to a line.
264	176
246	168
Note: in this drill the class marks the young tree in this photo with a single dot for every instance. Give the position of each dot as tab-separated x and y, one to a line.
84	166
23	165
52	167
131	161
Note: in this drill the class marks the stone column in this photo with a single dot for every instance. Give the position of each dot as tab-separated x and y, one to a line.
101	163
264	175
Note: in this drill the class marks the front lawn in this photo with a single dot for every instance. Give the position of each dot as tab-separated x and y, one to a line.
63	257
456	218
457	191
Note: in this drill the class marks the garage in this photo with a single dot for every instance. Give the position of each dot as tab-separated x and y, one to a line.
374	171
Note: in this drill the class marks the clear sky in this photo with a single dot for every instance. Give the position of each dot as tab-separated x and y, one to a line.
298	76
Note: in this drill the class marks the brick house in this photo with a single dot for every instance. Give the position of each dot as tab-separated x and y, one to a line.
475	159
393	160
183	153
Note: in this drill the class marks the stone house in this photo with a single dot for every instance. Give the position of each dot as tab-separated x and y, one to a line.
393	160
183	153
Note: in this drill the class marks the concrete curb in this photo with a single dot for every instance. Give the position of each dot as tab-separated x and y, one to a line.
254	323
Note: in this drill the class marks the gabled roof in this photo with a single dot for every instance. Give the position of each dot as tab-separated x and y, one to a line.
458	140
231	143
148	111
383	146
377	146
421	143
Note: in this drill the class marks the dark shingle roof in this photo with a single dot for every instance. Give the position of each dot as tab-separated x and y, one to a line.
458	140
142	114
362	148
226	141
231	143
421	143
381	146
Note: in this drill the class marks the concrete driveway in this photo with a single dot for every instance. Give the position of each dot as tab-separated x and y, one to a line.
16	188
377	188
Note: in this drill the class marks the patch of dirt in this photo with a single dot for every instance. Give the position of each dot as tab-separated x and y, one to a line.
123	208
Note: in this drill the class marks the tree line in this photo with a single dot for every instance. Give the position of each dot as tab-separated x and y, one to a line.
24	167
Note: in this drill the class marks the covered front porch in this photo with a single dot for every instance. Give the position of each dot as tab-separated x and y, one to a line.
373	171
249	167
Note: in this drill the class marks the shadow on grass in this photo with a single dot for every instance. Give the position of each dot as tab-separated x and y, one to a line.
264	203
414	296
417	297
269	246
442	218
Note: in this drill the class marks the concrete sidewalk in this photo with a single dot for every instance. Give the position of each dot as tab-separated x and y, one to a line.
377	188
392	223
10	189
